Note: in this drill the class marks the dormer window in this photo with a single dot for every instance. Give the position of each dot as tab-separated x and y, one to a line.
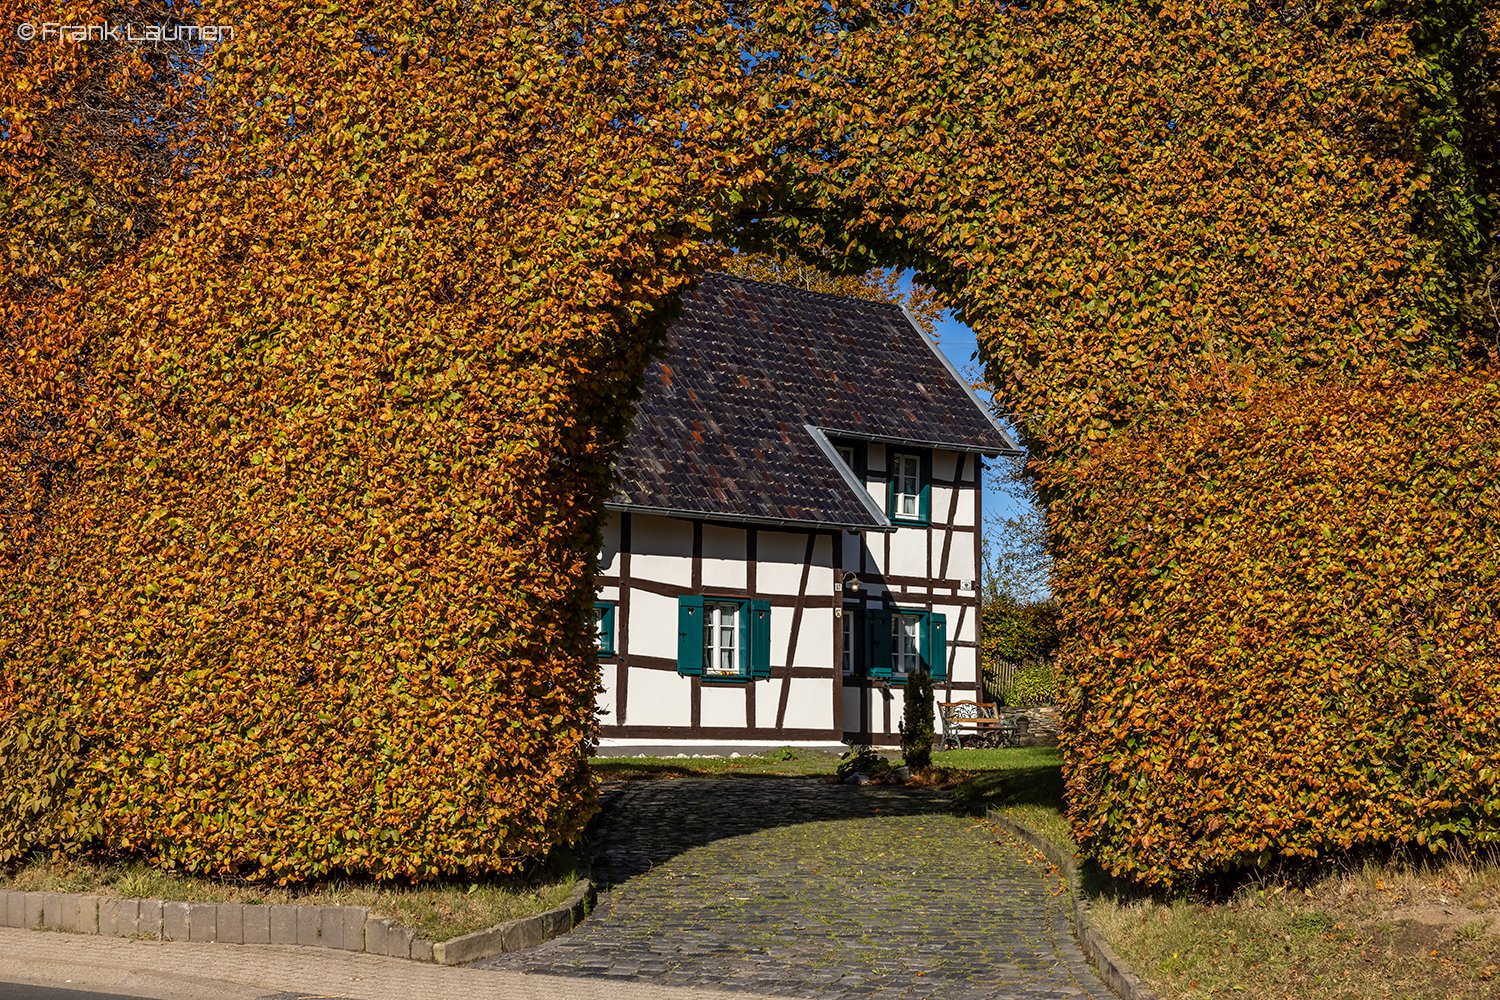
908	499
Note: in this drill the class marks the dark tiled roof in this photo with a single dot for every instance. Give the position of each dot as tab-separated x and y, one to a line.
722	429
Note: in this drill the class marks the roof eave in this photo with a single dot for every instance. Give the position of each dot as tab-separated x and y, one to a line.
730	517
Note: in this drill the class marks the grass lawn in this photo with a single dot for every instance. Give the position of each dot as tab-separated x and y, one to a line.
785	762
1024	784
437	912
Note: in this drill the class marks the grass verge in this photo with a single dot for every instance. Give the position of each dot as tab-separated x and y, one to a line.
438	911
1406	926
1401	926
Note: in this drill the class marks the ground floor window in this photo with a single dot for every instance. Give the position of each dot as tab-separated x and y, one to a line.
723	639
852	629
604	628
906	651
899	641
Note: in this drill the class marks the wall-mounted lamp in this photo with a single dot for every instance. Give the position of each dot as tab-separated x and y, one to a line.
850	582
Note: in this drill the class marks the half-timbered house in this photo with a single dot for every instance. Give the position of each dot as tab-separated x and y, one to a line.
796	525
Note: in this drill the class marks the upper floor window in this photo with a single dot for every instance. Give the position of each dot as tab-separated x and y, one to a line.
846	452
910	490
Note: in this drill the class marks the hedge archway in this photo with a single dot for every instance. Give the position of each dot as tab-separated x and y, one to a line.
304	446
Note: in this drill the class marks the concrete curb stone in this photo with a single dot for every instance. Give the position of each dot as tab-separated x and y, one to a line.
52	910
1111	968
203	922
513	935
174	921
150	916
283	923
34	909
229	923
348	928
15	909
257	924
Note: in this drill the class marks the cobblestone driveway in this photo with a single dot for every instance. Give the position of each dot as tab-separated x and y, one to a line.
800	888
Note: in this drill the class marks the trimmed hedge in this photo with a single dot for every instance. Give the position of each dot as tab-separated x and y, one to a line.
1034	683
298	571
1309	672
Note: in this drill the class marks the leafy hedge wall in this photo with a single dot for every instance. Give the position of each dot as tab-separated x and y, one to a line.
1315	669
1160	220
306	549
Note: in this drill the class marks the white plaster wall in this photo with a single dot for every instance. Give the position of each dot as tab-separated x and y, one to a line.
723	704
944	464
724	558
609	552
659	698
779	563
908	552
767	698
810	703
605	700
852	544
653	627
851	709
661	550
966	507
814	641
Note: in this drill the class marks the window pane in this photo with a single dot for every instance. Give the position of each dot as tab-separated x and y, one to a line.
720	639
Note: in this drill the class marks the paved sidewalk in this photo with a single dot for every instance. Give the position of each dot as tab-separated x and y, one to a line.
184	971
802	888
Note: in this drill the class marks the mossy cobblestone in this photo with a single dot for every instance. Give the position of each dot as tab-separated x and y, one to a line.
798	887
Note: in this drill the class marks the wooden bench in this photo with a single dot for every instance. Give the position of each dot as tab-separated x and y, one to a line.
974	720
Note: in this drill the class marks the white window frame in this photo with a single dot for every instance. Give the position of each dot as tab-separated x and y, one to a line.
906	471
846	452
720	617
600	616
906	650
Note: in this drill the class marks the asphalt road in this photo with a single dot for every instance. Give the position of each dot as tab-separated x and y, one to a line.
20	991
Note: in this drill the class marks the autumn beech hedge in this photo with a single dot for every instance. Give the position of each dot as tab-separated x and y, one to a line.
310	393
1312	671
303	556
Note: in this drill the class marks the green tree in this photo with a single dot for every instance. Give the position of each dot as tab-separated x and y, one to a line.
916	720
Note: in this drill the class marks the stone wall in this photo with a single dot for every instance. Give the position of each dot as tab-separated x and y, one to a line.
1035	727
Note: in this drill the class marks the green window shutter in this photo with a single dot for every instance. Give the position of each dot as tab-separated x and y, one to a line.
935	647
759	613
690	636
606	628
878	644
924	508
